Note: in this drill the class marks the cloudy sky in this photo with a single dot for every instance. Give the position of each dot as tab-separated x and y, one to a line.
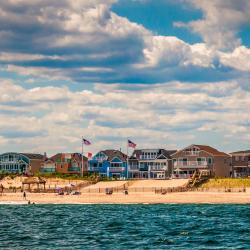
165	73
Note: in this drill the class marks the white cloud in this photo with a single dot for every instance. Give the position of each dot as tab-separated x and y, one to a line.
221	21
164	114
238	59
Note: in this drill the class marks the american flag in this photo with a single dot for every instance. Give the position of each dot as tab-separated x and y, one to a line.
131	144
86	142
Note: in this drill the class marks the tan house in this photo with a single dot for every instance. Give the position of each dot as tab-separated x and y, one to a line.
241	163
200	157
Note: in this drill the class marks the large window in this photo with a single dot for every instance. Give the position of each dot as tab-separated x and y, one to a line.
210	160
115	165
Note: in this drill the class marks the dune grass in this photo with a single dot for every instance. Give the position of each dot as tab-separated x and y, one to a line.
227	183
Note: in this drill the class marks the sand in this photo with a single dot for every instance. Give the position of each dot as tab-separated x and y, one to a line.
158	183
131	198
8	182
134	194
107	184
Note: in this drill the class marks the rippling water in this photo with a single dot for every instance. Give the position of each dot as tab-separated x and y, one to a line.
124	226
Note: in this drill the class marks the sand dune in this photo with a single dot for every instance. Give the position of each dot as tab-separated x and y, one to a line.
158	183
16	182
107	184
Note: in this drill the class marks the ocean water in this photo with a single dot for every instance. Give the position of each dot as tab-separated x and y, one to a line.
125	226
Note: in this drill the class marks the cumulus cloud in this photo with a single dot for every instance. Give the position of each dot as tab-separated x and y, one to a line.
162	114
198	89
85	42
221	21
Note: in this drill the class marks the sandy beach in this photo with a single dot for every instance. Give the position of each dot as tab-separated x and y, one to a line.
131	198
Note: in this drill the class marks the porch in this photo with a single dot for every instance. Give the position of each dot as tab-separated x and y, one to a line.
182	173
191	164
241	171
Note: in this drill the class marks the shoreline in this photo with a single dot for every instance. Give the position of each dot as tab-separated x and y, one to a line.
192	197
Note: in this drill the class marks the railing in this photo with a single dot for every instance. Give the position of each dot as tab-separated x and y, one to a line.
74	169
133	168
189	164
148	157
158	168
47	170
116	169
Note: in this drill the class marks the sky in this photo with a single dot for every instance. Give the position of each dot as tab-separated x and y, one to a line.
165	74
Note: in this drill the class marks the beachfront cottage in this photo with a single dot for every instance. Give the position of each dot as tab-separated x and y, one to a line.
20	162
201	157
109	163
65	163
241	163
150	164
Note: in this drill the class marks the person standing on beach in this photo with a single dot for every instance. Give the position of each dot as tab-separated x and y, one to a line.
24	195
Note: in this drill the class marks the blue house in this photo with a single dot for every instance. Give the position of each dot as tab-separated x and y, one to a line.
109	163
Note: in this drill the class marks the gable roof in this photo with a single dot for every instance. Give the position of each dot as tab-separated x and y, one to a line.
166	153
241	152
76	156
206	148
112	153
211	150
32	156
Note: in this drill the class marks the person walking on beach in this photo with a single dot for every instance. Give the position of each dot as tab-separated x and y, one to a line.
24	195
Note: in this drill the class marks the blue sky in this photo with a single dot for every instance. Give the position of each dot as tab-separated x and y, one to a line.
164	73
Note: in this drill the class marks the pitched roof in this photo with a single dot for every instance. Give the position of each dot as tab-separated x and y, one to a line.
241	152
211	150
77	156
166	153
112	153
33	156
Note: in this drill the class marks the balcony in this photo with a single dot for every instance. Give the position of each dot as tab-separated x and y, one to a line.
147	157
191	164
134	168
74	169
116	169
158	168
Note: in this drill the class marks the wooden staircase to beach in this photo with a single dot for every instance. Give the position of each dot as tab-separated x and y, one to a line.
199	177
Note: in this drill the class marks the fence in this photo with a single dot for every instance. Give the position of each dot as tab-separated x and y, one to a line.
135	190
157	190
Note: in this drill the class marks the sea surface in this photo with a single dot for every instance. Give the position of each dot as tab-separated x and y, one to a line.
162	226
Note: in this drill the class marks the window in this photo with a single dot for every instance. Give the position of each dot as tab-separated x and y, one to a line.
11	158
236	158
242	158
210	160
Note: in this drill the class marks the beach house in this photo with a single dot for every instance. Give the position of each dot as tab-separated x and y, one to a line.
150	164
201	157
241	163
109	163
20	162
65	163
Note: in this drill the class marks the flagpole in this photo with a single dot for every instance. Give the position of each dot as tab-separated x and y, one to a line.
82	159
127	158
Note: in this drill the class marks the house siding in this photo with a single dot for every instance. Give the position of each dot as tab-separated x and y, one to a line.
218	163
